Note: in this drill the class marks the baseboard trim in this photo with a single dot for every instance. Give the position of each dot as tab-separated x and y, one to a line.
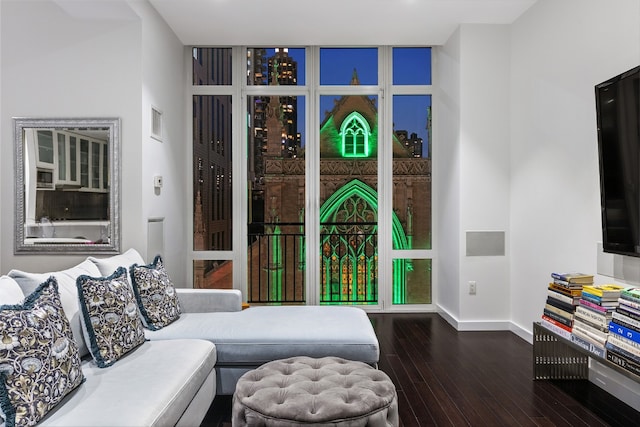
485	325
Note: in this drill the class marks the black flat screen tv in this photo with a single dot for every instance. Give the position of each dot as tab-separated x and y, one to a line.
618	121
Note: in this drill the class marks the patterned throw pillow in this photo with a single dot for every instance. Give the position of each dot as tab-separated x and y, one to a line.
156	296
110	316
39	362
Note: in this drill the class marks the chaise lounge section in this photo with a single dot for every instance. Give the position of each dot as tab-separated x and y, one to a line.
246	339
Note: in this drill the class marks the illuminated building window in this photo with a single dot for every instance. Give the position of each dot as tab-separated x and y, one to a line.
355	134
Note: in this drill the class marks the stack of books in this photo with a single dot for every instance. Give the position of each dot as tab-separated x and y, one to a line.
593	314
623	344
563	295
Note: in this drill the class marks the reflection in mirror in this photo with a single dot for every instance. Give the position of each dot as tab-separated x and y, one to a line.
67	185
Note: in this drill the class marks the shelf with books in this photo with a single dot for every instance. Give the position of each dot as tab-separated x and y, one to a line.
558	357
582	320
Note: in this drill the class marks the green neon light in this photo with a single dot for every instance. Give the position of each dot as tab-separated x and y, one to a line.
355	134
359	189
276	265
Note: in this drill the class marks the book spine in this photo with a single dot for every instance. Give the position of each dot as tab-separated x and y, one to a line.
592	290
625	332
561	297
601	328
555	329
632	293
630	303
557	318
623	362
590	346
631	355
562	305
595	316
593	305
623	343
588	332
559	311
556	323
628	312
565	290
625	321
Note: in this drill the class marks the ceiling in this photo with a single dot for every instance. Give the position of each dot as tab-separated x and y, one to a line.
330	22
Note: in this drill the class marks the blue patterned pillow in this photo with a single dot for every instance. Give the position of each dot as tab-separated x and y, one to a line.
156	296
110	316
39	361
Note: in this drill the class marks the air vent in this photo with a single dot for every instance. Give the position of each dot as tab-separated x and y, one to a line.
156	124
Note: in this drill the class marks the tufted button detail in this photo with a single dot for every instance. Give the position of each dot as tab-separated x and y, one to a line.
304	390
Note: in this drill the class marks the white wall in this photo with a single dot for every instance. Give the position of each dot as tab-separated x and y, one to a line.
559	51
446	178
58	65
163	87
484	171
107	60
472	176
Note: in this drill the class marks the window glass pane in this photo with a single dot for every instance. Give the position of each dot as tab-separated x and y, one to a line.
95	164
84	163
73	159
62	156
105	166
279	66
276	179
411	281
212	274
349	199
411	172
411	66
45	146
211	66
345	66
212	221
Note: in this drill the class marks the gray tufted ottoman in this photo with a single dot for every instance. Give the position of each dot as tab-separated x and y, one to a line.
327	391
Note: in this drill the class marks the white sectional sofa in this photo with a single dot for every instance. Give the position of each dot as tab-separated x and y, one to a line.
173	376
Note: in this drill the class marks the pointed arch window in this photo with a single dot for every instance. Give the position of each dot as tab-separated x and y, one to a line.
355	134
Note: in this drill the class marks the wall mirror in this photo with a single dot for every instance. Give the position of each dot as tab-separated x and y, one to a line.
67	185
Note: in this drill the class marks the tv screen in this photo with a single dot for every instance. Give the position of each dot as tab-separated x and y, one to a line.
618	120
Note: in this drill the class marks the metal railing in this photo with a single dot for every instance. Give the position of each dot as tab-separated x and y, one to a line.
349	263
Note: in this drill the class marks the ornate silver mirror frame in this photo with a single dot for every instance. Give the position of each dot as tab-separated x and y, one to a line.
67	185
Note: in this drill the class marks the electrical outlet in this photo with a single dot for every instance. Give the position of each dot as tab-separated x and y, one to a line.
472	287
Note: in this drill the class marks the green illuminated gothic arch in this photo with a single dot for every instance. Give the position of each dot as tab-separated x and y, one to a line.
357	190
355	134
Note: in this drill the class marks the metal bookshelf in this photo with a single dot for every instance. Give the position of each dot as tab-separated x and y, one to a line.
557	358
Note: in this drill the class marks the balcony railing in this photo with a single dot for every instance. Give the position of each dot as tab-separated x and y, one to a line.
349	263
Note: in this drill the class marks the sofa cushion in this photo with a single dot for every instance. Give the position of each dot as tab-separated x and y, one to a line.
261	334
110	264
68	293
155	294
39	362
110	316
150	386
10	292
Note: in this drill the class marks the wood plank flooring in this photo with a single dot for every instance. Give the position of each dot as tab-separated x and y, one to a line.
448	378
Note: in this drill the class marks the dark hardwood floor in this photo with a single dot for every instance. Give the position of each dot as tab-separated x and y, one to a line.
449	378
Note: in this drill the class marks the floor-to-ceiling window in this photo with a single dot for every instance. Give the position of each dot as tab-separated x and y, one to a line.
312	174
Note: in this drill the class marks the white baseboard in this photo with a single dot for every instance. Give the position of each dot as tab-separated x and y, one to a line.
474	325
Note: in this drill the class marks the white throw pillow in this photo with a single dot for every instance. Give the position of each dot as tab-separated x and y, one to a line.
10	292
68	293
109	265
